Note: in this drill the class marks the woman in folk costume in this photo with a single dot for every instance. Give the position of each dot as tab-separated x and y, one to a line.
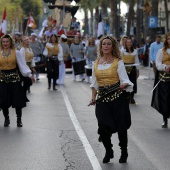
54	53
28	54
130	57
109	84
161	93
11	91
122	42
62	67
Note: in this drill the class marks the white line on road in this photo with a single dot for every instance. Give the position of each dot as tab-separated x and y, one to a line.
89	151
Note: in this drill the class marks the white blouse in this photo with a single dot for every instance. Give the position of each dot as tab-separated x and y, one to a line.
159	57
60	52
123	77
22	50
24	69
134	53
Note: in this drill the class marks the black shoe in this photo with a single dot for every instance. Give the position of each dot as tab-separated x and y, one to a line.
132	101
123	157
38	79
108	156
54	88
49	87
165	124
19	123
6	123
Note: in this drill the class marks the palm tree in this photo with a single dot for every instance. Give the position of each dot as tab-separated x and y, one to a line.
130	16
88	5
154	12
166	15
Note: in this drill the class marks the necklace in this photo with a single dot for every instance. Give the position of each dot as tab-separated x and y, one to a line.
104	62
6	54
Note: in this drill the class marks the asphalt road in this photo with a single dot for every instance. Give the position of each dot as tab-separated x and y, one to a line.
60	132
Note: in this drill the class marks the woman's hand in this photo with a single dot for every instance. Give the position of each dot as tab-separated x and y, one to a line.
167	68
123	86
34	71
33	80
92	102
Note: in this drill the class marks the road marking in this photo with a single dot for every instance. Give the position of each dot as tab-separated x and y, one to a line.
89	151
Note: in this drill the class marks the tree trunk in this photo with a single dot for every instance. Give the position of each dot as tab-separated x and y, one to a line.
91	21
146	28
138	22
86	30
166	15
104	13
112	14
96	19
130	16
153	31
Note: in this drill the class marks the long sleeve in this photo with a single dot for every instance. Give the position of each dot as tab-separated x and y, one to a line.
71	51
94	81
24	69
60	53
159	57
123	77
151	52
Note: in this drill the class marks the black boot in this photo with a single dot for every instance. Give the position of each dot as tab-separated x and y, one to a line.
109	155
165	122
6	122
6	115
54	87
19	115
49	86
106	140
123	141
132	100
49	83
124	156
54	84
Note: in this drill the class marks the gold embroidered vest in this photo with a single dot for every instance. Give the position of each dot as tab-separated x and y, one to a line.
108	76
53	50
166	58
128	59
28	55
8	63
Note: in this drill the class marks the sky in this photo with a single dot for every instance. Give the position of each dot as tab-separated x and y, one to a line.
80	15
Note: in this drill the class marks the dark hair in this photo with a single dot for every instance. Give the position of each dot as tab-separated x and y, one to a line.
53	35
64	40
166	46
132	48
158	36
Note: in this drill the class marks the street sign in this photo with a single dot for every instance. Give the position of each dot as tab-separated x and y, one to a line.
152	22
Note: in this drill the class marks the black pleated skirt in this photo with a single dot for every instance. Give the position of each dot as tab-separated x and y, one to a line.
161	97
12	93
113	116
52	68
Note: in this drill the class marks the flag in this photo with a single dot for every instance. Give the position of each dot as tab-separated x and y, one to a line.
31	23
100	29
3	24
